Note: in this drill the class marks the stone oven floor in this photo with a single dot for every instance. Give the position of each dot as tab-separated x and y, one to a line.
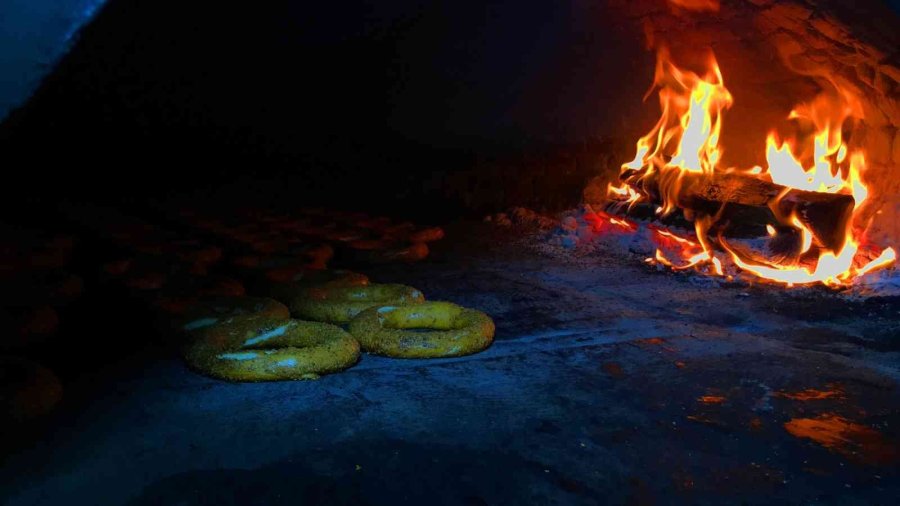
608	383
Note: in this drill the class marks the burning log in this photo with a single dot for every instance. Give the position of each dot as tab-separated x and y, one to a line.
745	201
806	205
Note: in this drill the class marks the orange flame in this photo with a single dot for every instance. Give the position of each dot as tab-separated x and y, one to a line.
696	5
686	137
624	193
685	141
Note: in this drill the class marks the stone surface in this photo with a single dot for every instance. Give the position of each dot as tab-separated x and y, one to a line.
891	71
608	383
895	156
865	73
878	145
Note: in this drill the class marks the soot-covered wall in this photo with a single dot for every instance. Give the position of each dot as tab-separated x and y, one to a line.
475	104
341	99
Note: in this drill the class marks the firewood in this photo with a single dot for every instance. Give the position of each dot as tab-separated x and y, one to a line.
744	201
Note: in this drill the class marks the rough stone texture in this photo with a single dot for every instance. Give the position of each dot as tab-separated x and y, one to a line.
551	179
895	155
608	383
775	55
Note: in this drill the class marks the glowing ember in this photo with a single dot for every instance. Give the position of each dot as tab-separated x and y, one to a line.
683	148
601	221
696	5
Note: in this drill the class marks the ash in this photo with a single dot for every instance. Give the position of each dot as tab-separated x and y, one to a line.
572	234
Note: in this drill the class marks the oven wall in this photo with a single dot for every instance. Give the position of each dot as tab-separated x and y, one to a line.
777	54
465	106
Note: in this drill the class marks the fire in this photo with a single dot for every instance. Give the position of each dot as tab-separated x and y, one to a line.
625	193
828	169
696	5
805	234
686	137
683	148
600	222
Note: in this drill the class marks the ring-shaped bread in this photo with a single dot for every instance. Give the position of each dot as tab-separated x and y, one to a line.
339	304
426	330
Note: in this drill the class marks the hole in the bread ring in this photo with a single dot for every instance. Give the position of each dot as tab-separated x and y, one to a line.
425	330
431	316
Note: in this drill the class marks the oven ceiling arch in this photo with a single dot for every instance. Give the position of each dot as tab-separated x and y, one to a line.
34	36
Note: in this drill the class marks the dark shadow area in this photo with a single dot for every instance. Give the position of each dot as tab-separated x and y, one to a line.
362	104
180	150
369	473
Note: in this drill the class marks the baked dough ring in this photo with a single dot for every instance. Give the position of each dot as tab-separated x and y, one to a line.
429	234
387	250
453	330
340	304
271	349
213	311
410	233
27	390
178	299
316	277
27	326
287	284
313	256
